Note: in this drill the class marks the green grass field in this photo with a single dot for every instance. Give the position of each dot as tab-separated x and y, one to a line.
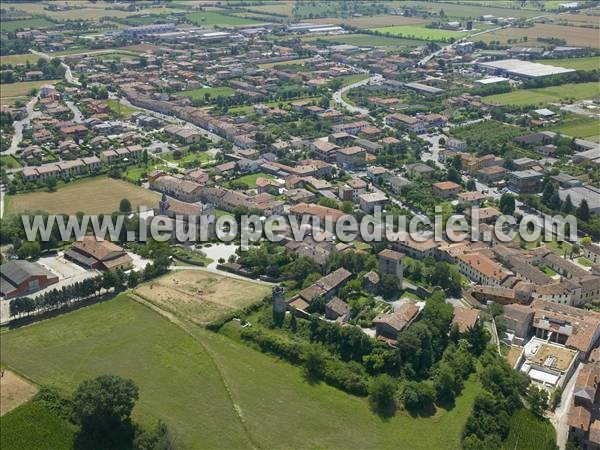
9	162
250	179
578	126
183	378
529	433
367	40
588	63
123	111
420	32
541	96
34	22
214	18
90	195
33	426
23	88
19	59
214	92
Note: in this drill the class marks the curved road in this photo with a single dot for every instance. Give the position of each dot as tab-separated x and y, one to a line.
68	74
337	95
19	125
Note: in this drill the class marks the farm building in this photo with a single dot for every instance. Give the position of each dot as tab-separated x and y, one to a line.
18	278
93	253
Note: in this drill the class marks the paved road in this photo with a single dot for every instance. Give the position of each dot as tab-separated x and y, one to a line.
560	417
77	115
19	125
338	97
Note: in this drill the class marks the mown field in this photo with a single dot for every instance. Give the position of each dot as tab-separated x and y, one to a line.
34	22
22	88
587	63
579	127
32	426
575	36
367	40
212	18
541	96
418	32
201	296
250	179
182	379
465	11
214	92
19	59
373	21
91	196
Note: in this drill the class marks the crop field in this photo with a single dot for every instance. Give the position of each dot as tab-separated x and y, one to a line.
89	12
373	21
417	32
367	40
527	432
35	427
587	63
214	92
215	18
92	196
22	88
541	96
575	36
278	7
182	378
468	11
579	127
201	296
19	59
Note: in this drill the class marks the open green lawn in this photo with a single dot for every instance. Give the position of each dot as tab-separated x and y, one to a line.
22	88
351	79
578	126
9	162
250	179
420	32
541	96
34	22
527	432
19	59
214	92
35	427
99	195
182	379
123	111
366	40
588	63
204	18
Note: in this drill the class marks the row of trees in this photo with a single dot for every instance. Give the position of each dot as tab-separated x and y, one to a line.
111	281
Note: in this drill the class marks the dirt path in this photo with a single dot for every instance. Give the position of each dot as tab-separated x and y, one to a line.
187	327
14	391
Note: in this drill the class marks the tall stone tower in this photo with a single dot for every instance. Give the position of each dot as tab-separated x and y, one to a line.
163	205
278	299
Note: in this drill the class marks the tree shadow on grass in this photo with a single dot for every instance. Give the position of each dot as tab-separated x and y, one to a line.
422	412
385	412
447	404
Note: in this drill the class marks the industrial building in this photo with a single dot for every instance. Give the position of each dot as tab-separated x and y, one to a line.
522	69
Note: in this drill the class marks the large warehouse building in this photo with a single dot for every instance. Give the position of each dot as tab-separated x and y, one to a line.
522	69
